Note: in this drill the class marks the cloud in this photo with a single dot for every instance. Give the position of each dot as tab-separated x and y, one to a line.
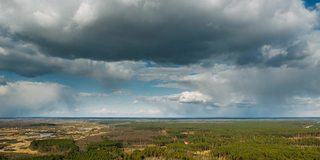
120	92
304	105
32	62
213	57
260	91
84	15
119	113
305	101
23	98
90	94
193	97
3	81
160	31
27	98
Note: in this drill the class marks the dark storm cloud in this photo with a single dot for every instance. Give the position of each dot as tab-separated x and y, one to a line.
27	60
167	31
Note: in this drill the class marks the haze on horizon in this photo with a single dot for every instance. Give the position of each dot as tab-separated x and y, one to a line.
160	58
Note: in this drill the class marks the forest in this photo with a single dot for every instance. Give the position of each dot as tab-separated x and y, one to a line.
229	140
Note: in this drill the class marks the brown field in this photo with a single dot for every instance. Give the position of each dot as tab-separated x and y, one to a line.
16	135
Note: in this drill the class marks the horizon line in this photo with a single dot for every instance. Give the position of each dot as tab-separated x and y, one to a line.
124	117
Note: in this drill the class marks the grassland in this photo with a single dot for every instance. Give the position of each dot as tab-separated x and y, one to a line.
157	140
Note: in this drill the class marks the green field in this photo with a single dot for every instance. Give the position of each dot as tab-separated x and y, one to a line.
234	140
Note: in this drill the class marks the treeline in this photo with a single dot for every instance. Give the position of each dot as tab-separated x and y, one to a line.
105	150
54	145
227	140
176	149
108	150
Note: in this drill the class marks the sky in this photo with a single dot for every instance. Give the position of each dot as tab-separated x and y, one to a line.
160	58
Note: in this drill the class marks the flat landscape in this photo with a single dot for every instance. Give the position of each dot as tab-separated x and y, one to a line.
159	80
157	139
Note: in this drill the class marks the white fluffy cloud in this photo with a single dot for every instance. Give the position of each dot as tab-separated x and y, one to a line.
193	97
